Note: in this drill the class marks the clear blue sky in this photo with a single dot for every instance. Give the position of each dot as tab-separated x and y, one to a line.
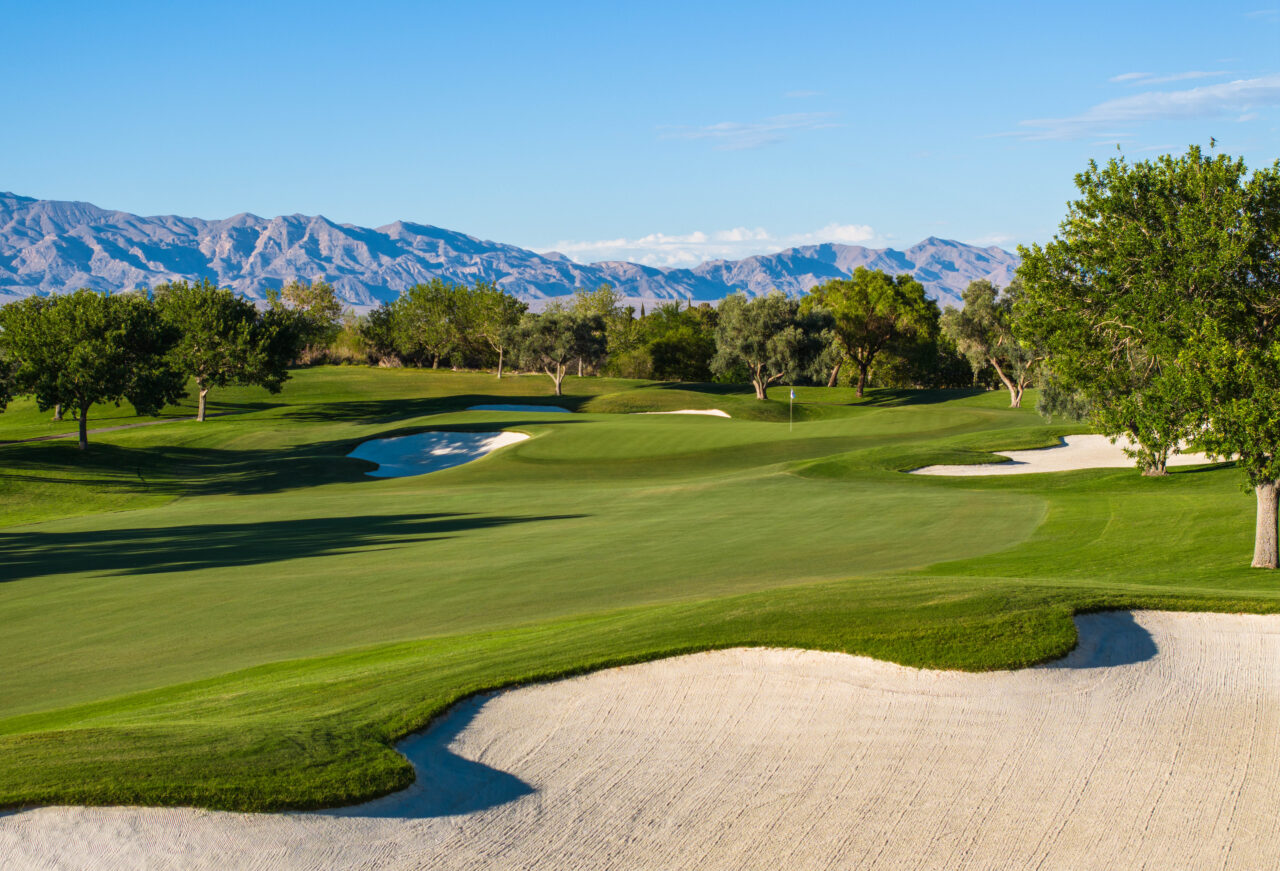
662	132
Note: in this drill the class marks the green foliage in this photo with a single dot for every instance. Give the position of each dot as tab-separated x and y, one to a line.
85	348
769	336
427	321
983	332
875	314
315	315
551	340
494	316
222	338
1126	287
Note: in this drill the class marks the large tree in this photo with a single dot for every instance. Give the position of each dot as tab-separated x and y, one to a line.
873	313
769	337
85	348
1119	293
427	319
983	333
494	317
1158	301
553	339
222	339
311	310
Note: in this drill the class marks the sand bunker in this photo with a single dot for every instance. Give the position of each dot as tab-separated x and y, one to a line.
426	452
1076	452
522	408
1156	744
709	412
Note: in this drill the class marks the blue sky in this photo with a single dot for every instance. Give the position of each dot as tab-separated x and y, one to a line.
666	133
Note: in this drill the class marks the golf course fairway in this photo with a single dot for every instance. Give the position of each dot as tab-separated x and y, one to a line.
234	615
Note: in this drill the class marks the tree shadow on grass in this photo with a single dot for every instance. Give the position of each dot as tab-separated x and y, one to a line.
1107	639
894	397
389	410
122	552
445	783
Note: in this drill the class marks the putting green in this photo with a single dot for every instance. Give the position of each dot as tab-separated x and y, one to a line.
233	614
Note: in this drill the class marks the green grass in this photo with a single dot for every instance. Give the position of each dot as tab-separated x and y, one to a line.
232	614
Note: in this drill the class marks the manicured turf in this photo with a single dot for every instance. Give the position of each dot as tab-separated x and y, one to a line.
232	614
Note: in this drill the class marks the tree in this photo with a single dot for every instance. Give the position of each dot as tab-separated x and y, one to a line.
768	336
605	303
1119	293
318	313
1161	291
983	333
873	313
1233	358
551	340
495	316
426	321
222	339
85	348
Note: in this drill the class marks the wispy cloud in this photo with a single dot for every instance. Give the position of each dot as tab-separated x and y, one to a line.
739	135
1209	101
1135	79
690	249
1264	14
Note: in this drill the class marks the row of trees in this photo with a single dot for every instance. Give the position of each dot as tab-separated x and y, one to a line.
76	350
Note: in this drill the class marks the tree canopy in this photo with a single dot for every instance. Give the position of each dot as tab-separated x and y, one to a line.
551	340
85	347
983	332
222	339
769	337
873	313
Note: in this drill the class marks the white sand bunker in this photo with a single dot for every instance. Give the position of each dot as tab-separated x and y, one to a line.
1076	452
1156	744
522	408
709	412
426	452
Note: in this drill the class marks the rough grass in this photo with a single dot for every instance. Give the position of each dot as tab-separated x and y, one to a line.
231	614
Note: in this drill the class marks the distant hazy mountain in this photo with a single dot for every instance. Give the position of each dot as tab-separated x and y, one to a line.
48	246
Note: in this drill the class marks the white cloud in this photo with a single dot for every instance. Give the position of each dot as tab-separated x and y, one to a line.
1003	240
1208	101
690	249
1153	79
738	135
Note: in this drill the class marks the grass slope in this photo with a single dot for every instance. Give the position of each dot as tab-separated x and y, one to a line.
231	614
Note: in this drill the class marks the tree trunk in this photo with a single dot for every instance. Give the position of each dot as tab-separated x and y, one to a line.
1015	396
835	374
57	412
579	367
499	364
1157	469
862	378
559	378
435	361
760	383
84	430
1266	549
204	391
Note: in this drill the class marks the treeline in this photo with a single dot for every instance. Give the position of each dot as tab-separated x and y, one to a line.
80	349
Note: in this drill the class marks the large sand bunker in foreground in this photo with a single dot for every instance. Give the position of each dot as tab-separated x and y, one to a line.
1076	452
1155	744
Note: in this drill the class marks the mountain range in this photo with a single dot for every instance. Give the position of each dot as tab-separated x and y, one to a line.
51	246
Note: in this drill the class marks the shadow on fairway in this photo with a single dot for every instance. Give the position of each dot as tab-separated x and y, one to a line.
124	552
894	397
446	783
1107	639
388	410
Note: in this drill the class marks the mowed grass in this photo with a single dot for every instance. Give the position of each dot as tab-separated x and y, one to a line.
232	614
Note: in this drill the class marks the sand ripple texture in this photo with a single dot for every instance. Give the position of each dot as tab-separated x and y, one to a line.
1155	745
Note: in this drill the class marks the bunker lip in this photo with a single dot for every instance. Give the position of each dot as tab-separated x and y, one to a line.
426	452
767	757
1076	452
